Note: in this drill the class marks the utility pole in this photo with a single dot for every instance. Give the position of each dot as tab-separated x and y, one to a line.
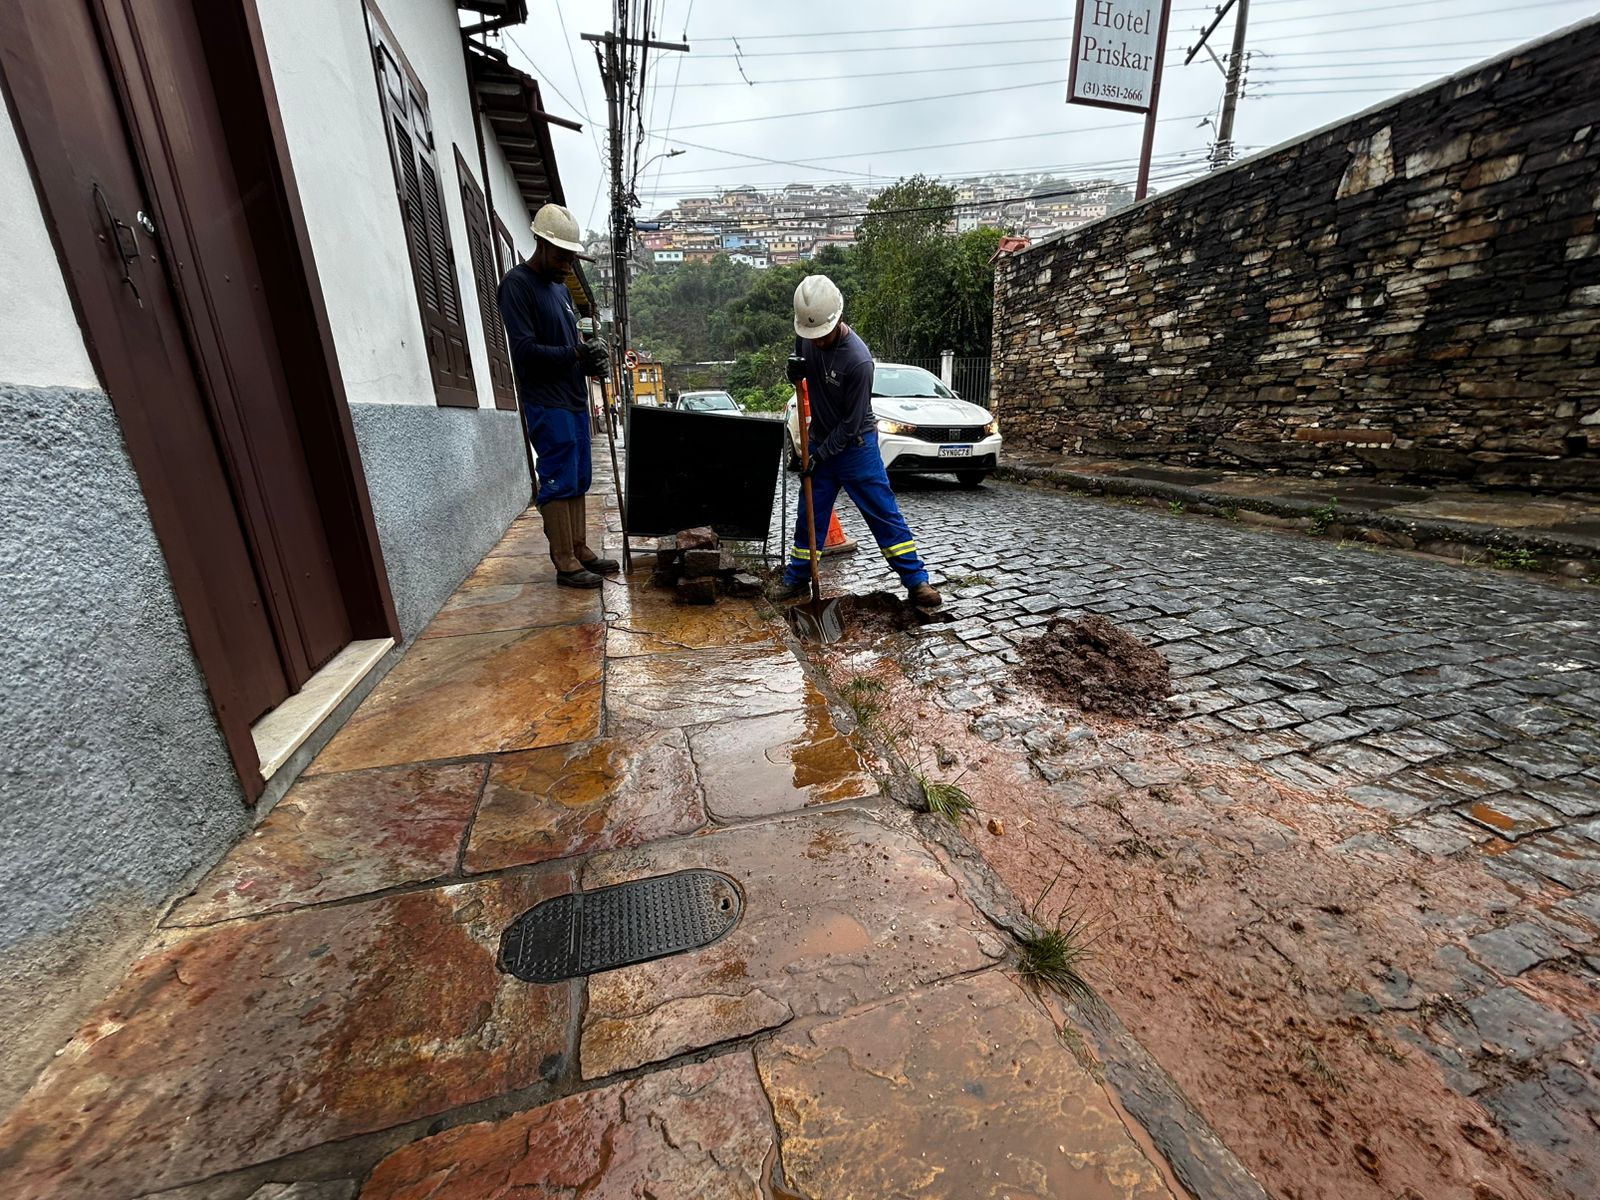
609	53
1222	148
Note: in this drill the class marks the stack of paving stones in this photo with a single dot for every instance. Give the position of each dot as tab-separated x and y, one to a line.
1414	292
697	567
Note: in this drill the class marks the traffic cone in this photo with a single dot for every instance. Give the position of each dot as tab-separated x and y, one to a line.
836	542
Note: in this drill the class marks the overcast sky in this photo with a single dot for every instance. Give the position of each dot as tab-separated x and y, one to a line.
1313	62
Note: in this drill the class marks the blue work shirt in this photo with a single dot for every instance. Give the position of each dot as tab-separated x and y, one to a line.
542	331
840	383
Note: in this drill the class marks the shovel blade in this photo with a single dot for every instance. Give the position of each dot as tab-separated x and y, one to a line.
817	621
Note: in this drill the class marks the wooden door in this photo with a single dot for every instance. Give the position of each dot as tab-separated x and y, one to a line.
205	183
157	158
95	193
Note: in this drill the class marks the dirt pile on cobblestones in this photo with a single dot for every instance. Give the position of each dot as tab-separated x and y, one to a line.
1097	667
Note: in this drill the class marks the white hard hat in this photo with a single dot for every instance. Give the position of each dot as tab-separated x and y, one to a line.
818	305
557	225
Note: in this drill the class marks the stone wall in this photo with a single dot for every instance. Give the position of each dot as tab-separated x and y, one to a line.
1412	292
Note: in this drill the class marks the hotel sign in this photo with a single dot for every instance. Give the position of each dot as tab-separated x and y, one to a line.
1116	53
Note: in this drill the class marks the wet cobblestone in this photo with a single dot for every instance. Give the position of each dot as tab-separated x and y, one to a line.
1459	707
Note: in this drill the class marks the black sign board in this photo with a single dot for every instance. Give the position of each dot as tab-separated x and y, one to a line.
687	469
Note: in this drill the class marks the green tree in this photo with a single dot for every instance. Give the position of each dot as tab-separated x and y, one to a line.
967	310
681	313
900	251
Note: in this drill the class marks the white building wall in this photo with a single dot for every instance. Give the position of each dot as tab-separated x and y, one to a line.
333	119
40	342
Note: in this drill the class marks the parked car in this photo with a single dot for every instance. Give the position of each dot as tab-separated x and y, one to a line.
924	428
708	402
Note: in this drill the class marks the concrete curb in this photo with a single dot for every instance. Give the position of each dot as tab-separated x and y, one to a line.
1435	536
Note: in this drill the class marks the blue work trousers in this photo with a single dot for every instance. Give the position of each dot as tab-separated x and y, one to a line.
560	438
859	471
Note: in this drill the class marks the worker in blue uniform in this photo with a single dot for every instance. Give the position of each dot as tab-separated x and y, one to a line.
552	364
837	368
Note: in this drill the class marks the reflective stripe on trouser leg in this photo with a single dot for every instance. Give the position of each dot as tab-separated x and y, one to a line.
824	491
864	479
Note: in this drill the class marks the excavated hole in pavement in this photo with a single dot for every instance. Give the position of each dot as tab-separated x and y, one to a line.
880	614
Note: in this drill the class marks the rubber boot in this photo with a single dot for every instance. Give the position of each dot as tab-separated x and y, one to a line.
558	531
592	562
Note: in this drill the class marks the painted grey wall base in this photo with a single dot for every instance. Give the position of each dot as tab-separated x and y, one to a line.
115	784
444	483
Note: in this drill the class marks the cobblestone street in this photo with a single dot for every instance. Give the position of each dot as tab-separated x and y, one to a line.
1388	765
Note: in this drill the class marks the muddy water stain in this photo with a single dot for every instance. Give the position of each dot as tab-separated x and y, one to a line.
316	1025
697	1131
840	910
960	1089
763	766
576	799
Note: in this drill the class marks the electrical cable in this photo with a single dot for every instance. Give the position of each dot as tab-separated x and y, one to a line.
895	212
677	75
1002	66
1085	169
572	58
818	112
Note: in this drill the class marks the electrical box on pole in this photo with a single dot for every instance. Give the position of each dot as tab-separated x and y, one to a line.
1117	48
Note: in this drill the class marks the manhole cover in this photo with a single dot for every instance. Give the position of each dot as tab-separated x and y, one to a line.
584	932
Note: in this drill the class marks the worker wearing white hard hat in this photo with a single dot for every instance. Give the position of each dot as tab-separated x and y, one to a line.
837	368
551	362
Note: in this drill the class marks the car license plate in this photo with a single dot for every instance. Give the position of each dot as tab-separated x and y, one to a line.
955	451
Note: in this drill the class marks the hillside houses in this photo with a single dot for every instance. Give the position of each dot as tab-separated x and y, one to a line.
780	226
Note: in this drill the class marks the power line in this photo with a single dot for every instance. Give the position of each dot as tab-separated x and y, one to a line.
582	95
1033	41
1452	18
543	77
677	75
989	66
1413	4
1373	62
1332	50
831	33
961	45
1010	137
1087	167
895	212
818	112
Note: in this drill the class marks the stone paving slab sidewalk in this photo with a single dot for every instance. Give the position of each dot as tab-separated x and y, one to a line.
323	1015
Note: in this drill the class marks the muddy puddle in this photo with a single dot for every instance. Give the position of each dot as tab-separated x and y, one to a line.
1097	667
1296	991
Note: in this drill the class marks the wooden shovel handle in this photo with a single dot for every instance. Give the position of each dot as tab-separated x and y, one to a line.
805	488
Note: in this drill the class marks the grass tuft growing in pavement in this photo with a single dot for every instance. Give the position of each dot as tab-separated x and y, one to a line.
1052	958
1055	952
1323	516
864	695
945	799
1520	559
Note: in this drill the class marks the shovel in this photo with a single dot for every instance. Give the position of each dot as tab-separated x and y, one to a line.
816	619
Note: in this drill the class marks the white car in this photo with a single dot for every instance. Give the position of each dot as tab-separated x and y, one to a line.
708	402
923	427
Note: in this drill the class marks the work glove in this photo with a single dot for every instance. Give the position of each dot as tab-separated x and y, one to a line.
594	356
797	368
